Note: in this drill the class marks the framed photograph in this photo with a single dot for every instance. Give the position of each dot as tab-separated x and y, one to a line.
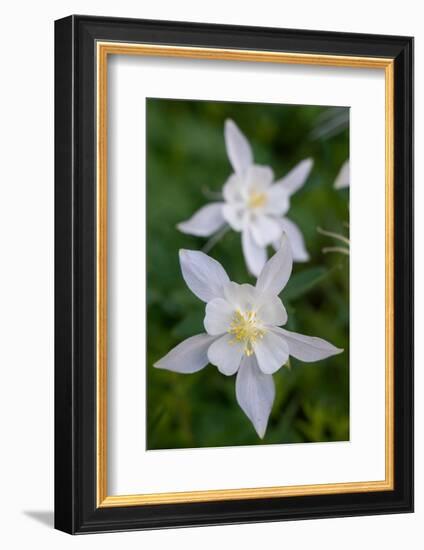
234	274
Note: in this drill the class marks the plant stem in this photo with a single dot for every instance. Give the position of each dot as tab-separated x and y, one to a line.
336	249
212	195
333	235
215	239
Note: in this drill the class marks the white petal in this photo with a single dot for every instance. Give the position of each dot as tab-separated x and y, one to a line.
219	315
278	200
255	392
307	348
234	214
189	356
296	177
276	272
233	188
238	148
226	354
265	230
259	178
271	352
272	311
343	177
243	297
295	237
205	221
204	276
254	255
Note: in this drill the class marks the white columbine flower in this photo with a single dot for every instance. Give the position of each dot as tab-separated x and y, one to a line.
243	333
253	204
343	177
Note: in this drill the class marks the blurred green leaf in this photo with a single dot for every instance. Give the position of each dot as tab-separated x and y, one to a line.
190	325
301	283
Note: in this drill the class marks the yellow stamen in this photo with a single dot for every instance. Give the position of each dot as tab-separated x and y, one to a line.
246	328
256	200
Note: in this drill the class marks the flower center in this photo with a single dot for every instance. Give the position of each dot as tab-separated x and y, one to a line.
256	200
246	328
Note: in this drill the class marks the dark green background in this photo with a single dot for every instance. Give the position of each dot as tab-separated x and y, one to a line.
186	153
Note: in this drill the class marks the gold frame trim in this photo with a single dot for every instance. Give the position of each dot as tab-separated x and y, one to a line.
103	50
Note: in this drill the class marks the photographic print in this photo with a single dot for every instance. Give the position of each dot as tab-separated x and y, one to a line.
220	301
247	274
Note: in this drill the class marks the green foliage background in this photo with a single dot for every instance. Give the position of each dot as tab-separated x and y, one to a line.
185	155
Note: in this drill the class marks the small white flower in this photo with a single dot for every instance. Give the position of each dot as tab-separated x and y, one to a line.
243	333
343	177
253	204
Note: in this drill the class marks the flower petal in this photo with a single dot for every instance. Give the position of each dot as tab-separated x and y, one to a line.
271	352
278	200
295	237
307	348
233	188
265	230
255	392
189	356
226	354
343	177
259	178
276	272
234	214
204	276
272	311
205	221
219	314
297	176
241	297
254	255
238	148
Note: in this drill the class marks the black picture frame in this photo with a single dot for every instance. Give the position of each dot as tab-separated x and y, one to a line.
76	508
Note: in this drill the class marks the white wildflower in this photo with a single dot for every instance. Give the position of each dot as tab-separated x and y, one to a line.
253	204
243	330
